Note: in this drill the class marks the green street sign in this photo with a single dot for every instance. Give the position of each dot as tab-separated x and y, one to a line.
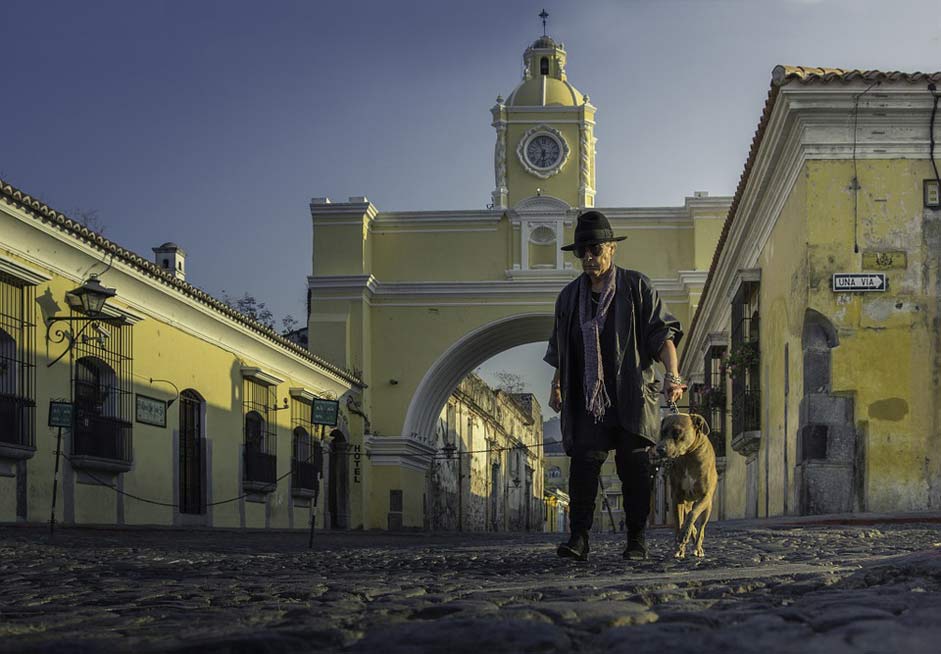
60	414
324	412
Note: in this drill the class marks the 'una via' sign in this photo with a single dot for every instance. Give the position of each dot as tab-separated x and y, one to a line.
859	282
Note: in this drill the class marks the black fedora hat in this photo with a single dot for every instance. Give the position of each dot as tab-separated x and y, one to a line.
592	228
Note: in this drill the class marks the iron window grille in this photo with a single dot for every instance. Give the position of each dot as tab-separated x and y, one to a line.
260	446
306	451
102	392
746	390
712	400
191	452
17	363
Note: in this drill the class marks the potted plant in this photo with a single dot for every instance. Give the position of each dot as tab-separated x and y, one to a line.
742	357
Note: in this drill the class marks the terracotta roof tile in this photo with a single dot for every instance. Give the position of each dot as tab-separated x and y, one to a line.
41	211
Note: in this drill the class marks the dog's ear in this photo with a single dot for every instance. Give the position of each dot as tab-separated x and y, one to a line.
699	423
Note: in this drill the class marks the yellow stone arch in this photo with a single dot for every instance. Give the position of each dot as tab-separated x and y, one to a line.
414	300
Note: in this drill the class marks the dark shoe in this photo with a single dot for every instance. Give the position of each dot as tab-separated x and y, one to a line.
636	549
576	548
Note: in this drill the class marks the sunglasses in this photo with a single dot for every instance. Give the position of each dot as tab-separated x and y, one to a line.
595	250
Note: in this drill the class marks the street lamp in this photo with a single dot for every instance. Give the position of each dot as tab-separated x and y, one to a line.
88	299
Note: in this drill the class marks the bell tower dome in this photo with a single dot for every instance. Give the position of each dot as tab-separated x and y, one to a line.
545	134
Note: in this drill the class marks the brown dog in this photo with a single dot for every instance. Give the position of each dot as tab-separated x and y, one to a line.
693	478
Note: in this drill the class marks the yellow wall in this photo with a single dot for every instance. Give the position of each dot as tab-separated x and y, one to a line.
191	346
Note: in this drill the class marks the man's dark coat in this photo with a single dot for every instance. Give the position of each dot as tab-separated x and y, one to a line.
643	325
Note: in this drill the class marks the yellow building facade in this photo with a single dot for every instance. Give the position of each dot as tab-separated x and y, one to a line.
486	281
184	412
816	341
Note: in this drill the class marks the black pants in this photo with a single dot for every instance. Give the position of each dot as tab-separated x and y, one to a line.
592	444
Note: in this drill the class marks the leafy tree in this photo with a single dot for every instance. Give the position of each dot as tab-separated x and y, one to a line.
510	382
249	306
288	324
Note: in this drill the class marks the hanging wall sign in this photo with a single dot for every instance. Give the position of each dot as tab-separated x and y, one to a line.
324	412
151	411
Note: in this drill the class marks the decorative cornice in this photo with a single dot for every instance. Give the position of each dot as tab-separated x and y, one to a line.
538	282
260	376
23	273
302	394
399	451
742	276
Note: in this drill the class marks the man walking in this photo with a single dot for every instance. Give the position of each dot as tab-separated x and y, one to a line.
610	327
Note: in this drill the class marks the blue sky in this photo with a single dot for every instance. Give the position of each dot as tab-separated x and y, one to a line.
213	123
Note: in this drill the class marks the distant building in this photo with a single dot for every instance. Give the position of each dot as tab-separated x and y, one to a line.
488	472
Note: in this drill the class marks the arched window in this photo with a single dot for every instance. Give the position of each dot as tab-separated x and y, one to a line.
555	472
100	429
191	452
544	66
95	387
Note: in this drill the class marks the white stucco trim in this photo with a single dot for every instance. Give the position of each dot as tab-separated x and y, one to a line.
302	394
23	273
262	377
399	451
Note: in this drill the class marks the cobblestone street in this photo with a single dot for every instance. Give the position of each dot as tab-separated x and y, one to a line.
786	586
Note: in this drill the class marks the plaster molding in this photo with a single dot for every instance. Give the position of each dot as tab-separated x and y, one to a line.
302	394
26	274
540	282
260	376
399	451
742	276
537	109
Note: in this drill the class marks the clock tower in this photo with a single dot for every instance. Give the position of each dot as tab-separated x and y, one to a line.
545	135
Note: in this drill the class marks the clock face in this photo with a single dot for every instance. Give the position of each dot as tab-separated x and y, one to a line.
543	151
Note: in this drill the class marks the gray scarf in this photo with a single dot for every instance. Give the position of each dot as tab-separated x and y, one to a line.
596	397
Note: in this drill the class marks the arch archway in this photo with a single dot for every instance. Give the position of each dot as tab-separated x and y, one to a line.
461	358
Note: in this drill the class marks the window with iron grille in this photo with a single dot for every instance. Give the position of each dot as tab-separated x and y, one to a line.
743	360
191	452
712	398
260	453
306	451
102	392
17	363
